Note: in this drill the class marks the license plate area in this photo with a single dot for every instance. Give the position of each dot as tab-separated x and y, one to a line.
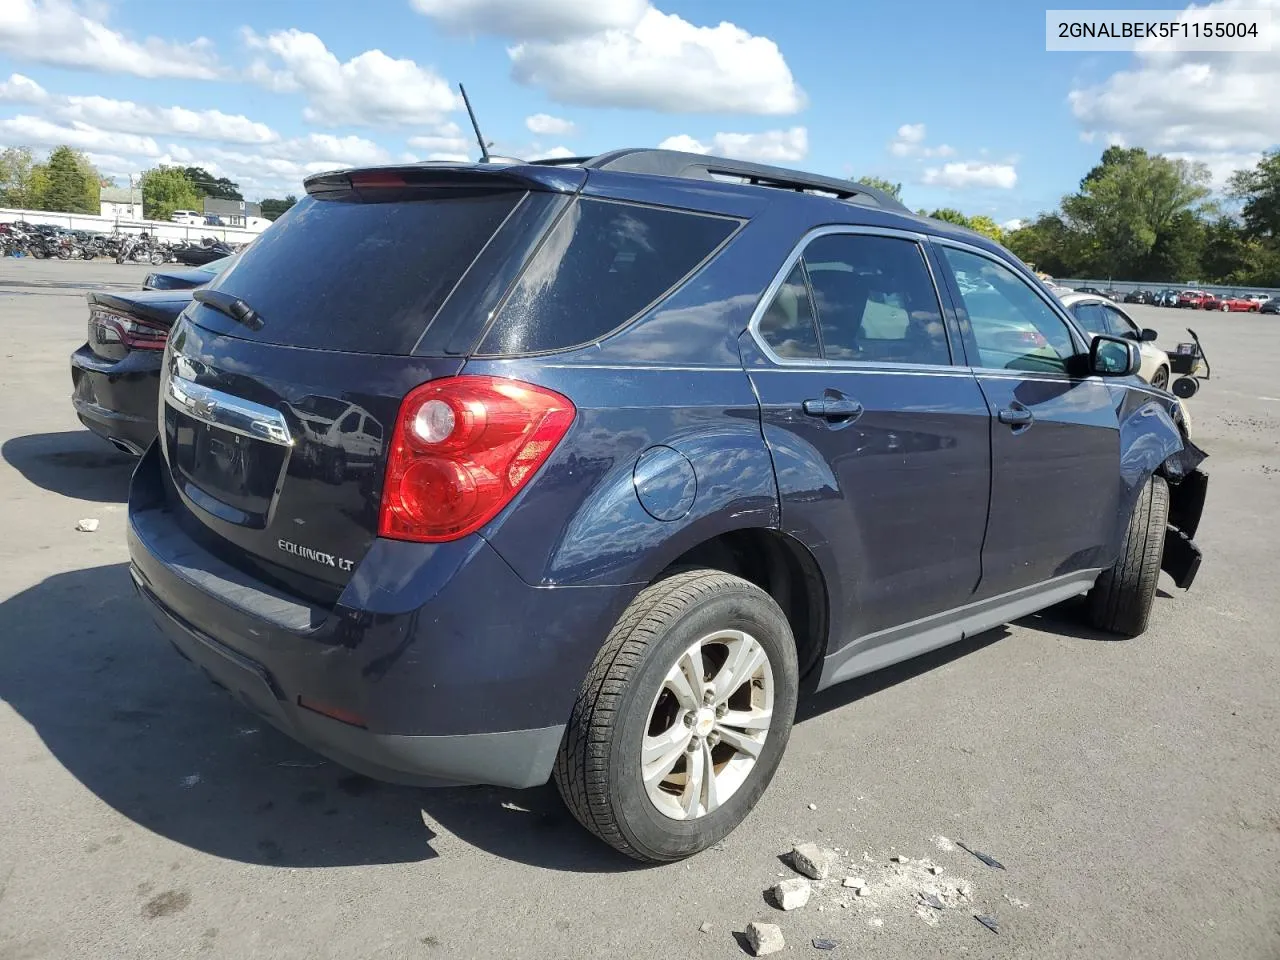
230	475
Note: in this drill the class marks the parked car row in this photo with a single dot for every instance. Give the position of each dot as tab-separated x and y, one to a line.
1188	298
590	470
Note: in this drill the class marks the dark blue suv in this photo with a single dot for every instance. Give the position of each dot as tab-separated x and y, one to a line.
585	470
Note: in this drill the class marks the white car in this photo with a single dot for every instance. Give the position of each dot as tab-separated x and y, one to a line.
188	217
1099	315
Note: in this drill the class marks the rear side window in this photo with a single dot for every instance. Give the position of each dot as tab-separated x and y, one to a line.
876	300
358	277
602	264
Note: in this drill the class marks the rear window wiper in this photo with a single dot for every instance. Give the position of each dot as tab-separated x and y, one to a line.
233	307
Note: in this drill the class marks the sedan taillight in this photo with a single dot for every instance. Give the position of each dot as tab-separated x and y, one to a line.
136	334
463	447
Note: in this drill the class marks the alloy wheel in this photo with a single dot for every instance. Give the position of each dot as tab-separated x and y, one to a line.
707	725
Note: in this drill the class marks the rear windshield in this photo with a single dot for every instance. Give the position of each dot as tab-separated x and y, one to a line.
601	265
357	277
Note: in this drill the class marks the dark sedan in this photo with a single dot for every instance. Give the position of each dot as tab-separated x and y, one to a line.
1271	306
185	278
115	376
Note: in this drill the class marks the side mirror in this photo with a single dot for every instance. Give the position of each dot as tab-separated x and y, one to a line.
1148	335
1113	357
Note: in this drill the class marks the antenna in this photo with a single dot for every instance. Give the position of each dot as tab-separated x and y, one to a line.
484	150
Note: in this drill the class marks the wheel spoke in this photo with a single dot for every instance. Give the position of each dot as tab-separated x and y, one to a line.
757	718
710	795
660	753
745	658
695	772
685	679
740	741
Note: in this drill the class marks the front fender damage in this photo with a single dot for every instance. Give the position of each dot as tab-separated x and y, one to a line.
1188	485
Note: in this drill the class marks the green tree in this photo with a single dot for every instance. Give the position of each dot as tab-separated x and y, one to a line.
987	227
1127	202
72	183
1259	188
16	167
950	215
273	208
166	189
211	186
1048	243
880	183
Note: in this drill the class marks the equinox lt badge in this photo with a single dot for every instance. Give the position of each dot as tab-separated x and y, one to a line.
317	556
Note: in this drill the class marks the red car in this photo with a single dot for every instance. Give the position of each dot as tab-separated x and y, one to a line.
1233	304
1192	298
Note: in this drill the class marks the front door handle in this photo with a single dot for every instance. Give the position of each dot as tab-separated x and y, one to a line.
833	408
1017	416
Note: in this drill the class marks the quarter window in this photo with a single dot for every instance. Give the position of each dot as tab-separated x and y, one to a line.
875	300
1013	328
788	326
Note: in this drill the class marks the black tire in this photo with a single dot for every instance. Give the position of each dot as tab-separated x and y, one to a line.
1120	602
1161	378
597	770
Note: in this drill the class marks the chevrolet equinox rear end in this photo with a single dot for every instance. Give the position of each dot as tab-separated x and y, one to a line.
500	473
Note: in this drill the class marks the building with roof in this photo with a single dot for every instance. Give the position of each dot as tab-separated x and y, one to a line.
233	213
120	203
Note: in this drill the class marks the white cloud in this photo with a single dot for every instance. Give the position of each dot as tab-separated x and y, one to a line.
555	153
125	116
546	125
769	146
58	32
910	143
36	131
663	63
534	19
1015	224
1220	108
371	89
20	89
446	142
971	174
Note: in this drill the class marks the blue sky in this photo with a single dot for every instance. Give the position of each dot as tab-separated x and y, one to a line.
958	101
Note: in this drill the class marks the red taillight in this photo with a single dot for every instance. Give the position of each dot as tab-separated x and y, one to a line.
462	448
132	332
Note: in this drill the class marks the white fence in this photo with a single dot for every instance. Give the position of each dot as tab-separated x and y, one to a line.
157	228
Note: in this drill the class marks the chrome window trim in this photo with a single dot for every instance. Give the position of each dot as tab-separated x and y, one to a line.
892	233
226	412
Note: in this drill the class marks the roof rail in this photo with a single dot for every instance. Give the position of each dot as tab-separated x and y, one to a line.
697	166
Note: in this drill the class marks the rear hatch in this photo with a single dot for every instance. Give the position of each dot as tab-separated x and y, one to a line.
283	380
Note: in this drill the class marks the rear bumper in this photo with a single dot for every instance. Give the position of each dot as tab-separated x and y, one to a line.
117	399
449	667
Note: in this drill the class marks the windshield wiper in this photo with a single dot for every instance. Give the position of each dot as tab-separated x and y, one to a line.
233	307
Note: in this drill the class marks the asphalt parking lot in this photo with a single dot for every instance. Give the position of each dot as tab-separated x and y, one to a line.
1130	789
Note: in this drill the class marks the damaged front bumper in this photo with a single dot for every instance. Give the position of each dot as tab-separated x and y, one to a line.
1188	485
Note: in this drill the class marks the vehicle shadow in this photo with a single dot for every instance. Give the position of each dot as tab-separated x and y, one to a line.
75	463
147	734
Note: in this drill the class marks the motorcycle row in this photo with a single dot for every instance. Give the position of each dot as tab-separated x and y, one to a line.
43	241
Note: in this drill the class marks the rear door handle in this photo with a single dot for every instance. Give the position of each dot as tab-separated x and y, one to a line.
833	408
1016	416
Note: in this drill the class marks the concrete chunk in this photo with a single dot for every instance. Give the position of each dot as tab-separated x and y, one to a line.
791	894
812	860
764	938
